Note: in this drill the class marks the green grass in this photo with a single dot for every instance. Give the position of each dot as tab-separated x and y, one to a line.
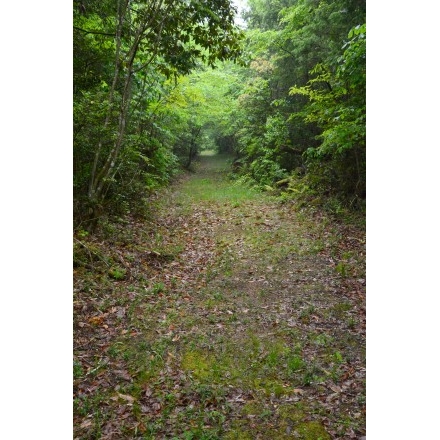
230	326
211	183
217	191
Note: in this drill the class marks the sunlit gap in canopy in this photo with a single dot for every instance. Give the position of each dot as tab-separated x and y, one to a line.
241	6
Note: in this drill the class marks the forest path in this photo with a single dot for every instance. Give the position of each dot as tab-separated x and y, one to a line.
243	319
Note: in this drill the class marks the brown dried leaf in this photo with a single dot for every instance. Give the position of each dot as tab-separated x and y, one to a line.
335	388
148	392
123	374
86	423
126	397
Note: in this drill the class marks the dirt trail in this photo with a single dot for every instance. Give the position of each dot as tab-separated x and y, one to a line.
239	318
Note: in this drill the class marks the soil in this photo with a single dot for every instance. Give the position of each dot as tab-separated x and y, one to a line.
229	314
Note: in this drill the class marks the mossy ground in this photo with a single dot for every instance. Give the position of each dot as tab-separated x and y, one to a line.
233	320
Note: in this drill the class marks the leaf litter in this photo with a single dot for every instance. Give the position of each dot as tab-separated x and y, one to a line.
224	310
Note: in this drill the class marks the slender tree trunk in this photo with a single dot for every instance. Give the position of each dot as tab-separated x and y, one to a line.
122	7
100	178
193	146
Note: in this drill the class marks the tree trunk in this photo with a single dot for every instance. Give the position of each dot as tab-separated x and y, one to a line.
100	178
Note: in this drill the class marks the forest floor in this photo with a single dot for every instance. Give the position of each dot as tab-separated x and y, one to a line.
228	315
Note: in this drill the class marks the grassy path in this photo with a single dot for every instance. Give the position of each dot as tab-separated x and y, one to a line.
231	316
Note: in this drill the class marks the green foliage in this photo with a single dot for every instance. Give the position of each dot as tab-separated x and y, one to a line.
126	138
266	171
78	371
339	111
263	14
158	288
302	106
294	364
117	273
146	105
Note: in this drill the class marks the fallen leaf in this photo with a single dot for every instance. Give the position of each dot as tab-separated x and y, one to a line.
126	397
335	388
86	423
96	320
123	374
331	397
121	312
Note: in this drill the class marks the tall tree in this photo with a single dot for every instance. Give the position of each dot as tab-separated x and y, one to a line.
146	38
302	107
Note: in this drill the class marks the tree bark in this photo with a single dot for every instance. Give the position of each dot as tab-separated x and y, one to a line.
124	66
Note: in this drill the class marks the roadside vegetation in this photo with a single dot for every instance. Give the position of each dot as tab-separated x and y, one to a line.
156	84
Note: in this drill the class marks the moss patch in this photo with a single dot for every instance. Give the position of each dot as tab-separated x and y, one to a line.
238	434
284	422
199	364
312	431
